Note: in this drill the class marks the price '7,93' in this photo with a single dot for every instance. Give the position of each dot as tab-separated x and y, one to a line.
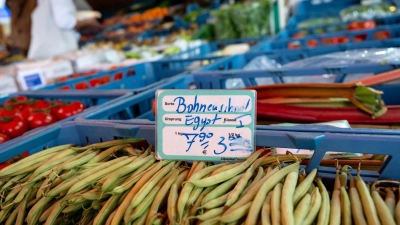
233	142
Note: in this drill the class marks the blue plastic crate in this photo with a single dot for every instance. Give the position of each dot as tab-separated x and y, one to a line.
307	10
319	138
323	6
207	49
336	27
221	73
132	77
138	106
369	40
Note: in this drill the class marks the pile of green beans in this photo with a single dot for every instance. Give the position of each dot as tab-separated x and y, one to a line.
113	183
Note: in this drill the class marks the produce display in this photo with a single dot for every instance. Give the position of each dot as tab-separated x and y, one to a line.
116	183
368	12
318	22
242	20
21	114
148	15
378	35
355	25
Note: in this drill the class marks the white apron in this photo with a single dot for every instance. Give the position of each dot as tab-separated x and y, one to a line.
47	39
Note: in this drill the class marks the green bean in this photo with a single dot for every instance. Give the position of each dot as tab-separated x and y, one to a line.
259	176
315	207
161	195
172	200
100	174
345	206
219	201
335	202
224	168
106	210
236	214
54	161
123	208
221	189
193	196
197	204
355	200
32	160
276	204
287	198
390	201
367	202
150	185
343	176
252	192
323	216
141	220
57	209
188	187
13	216
241	185
302	209
265	188
210	214
113	177
266	210
383	211
303	187
226	175
108	222
13	181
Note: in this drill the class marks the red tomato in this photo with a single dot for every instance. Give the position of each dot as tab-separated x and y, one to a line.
335	40
40	104
382	34
13	126
298	35
18	102
354	26
293	45
153	107
4	138
65	88
10	111
368	24
81	86
64	112
326	41
312	43
77	107
40	119
343	39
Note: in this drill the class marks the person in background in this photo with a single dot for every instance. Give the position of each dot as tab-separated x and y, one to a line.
20	35
54	28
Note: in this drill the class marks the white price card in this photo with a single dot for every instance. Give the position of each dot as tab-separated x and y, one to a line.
205	125
29	79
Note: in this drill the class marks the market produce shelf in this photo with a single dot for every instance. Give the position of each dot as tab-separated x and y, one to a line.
307	11
210	48
132	77
224	72
319	138
386	35
341	28
323	7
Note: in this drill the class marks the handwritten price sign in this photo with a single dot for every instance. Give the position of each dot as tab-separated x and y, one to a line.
207	125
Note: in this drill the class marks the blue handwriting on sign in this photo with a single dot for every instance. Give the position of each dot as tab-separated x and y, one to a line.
196	121
233	143
184	107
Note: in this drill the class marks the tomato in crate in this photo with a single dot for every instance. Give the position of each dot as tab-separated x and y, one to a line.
382	35
294	45
81	86
312	43
13	126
